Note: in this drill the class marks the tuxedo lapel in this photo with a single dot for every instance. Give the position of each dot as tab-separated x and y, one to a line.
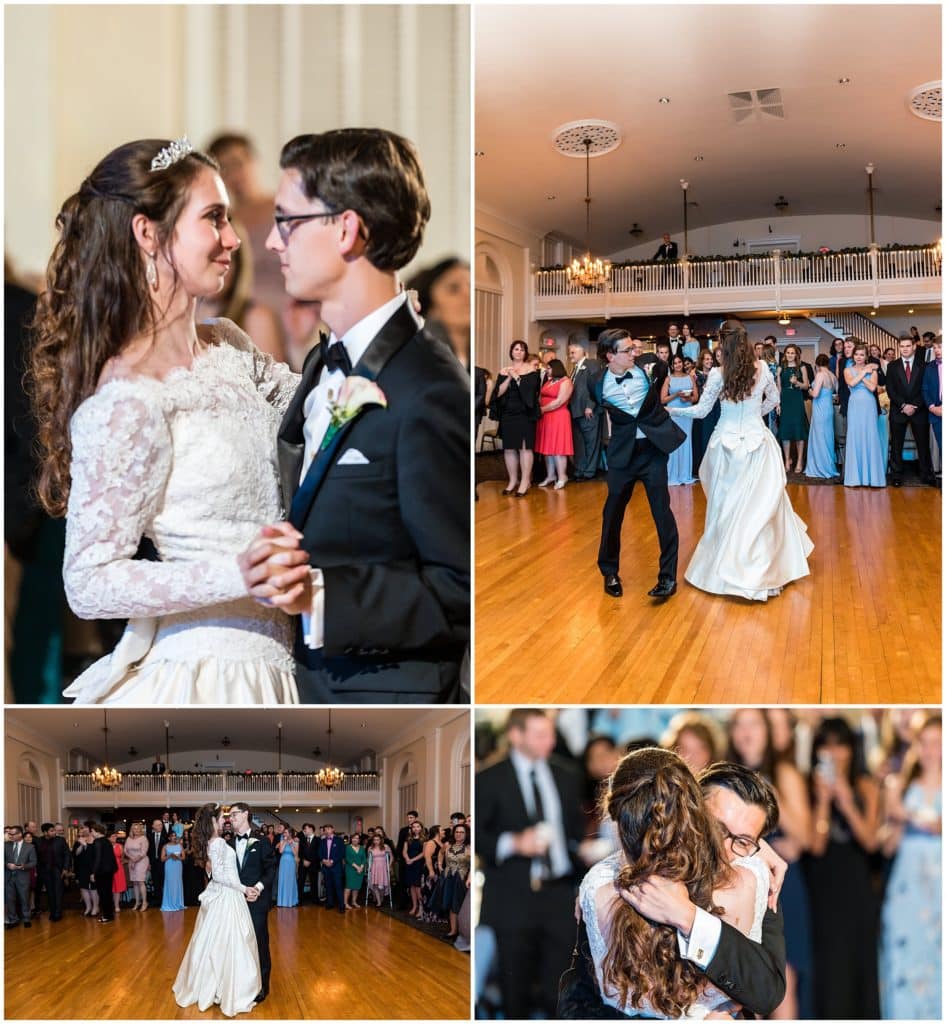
290	441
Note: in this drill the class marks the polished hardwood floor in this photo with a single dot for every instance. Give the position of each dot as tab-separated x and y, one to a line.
863	628
325	965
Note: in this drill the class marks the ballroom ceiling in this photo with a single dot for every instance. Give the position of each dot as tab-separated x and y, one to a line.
353	731
539	67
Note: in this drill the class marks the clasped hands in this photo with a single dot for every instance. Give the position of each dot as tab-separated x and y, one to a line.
275	569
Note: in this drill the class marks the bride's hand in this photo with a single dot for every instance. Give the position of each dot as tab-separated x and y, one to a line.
275	550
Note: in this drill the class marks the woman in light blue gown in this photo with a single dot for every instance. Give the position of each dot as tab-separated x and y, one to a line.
863	460
911	922
173	856
822	464
287	890
680	391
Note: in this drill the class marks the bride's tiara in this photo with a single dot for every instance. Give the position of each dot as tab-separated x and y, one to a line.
178	149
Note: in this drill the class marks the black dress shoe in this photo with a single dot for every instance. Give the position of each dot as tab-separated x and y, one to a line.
27	924
11	924
612	585
664	588
260	997
896	482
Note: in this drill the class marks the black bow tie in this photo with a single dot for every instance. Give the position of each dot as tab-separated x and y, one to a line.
335	357
626	376
242	838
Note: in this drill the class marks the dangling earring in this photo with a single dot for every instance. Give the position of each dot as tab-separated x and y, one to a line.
151	272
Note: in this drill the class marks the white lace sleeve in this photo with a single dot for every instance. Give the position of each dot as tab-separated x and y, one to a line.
274	381
770	395
711	391
121	460
223	866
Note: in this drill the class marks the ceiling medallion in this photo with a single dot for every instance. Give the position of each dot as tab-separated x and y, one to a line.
926	101
569	139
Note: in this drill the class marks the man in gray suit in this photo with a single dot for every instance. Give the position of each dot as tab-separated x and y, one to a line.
19	859
586	413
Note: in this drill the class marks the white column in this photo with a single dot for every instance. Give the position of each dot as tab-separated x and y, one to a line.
351	70
201	73
235	110
408	67
435	764
290	70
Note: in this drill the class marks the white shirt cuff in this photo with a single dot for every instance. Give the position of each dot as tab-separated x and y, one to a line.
701	946
259	887
505	847
313	624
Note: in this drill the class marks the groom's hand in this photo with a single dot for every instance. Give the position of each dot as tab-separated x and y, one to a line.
273	563
662	901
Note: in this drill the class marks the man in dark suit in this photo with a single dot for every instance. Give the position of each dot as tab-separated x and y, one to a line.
19	859
256	863
675	341
751	973
375	556
332	861
309	862
52	858
933	393
158	767
585	412
905	391
529	824
102	868
642	437
667	249
157	840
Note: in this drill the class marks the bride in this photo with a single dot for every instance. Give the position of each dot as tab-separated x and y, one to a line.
153	426
664	829
221	964
753	543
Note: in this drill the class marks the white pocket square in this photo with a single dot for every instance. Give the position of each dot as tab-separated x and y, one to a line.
352	457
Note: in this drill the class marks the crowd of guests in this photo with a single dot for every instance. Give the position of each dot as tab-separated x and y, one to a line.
859	826
424	871
843	419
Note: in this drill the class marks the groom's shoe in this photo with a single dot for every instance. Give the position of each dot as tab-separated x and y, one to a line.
664	589
612	585
260	997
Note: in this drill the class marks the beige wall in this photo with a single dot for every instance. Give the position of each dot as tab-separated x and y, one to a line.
81	79
23	747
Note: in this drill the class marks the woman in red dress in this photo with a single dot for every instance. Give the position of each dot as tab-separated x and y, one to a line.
553	435
119	881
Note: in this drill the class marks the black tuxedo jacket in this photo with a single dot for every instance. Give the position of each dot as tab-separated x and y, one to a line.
653	420
501	808
392	536
401	840
259	865
155	858
309	848
666	251
584	383
52	854
103	858
902	393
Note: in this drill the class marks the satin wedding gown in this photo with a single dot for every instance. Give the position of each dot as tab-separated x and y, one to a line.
189	462
596	896
753	542
221	964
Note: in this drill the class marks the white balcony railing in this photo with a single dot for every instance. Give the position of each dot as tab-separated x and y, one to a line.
775	281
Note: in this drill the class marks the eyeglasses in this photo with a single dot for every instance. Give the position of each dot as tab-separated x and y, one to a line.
286	222
623	351
742	846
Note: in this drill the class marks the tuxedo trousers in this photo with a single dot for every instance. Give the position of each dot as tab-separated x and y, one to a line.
310	874
649	466
53	884
586	435
259	915
103	886
920	425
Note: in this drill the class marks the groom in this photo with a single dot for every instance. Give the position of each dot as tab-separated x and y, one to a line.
642	437
374	449
256	862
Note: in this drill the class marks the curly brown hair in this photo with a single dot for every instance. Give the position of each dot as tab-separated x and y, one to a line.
202	831
96	297
665	829
738	360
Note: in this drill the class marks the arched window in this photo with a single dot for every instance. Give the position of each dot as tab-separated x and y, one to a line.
461	782
407	790
29	788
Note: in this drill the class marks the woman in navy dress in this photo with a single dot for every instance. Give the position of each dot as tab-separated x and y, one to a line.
287	888
864	464
455	859
413	855
173	856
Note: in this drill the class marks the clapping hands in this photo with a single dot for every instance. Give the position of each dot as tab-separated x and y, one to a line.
276	570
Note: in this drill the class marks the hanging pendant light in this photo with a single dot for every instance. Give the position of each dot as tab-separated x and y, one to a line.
106	777
589	272
329	776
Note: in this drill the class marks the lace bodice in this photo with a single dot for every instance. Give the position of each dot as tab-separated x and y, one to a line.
596	899
738	421
223	864
189	462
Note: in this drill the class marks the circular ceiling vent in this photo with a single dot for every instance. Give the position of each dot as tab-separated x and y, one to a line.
569	139
926	101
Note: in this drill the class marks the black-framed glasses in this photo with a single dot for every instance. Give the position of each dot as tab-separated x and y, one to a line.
285	222
623	351
742	846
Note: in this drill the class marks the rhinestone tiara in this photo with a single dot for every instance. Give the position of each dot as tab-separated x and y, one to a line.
178	149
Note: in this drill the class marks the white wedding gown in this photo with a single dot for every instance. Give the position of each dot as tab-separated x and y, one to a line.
189	462
221	964
596	896
753	543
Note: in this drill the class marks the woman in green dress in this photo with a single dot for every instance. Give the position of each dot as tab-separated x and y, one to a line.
355	860
793	383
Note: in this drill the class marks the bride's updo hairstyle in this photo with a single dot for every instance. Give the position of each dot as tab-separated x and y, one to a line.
665	830
96	296
202	831
738	360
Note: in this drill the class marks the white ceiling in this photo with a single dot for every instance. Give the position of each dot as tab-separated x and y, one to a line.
538	67
353	730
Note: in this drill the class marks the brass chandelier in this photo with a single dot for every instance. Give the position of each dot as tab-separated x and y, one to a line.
104	776
329	776
589	271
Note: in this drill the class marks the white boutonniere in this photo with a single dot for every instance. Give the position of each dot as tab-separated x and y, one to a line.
353	396
250	843
649	371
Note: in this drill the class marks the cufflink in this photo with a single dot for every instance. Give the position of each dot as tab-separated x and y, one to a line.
699	953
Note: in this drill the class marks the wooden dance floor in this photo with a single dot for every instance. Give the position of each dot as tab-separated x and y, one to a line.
863	628
325	965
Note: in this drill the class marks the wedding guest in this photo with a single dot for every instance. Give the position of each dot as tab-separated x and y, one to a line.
356	860
703	429
844	912
287	886
136	854
379	869
515	407
695	738
864	464
28	838
332	859
19	861
845	360
585	412
837	354
691	345
119	881
680	390
905	390
663	352
81	866
101	871
911	921
401	895
157	839
821	463
933	393
443	292
158	767
309	862
177	826
553	433
193	874
412	856
173	856
52	861
793	382
667	250
455	865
